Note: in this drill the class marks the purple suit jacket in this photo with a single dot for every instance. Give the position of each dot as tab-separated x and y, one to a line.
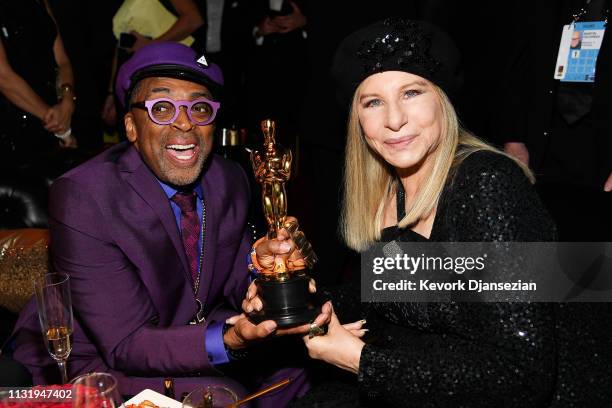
114	233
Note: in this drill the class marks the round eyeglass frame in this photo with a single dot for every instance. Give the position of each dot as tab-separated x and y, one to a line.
148	105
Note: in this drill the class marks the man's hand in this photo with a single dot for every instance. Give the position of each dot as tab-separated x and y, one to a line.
50	120
141	41
517	150
109	111
58	117
267	26
69	143
270	251
279	250
243	332
341	346
292	21
608	184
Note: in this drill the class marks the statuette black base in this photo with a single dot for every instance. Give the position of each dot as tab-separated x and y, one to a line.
287	302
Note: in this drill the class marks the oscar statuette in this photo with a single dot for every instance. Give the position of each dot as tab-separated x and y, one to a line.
283	290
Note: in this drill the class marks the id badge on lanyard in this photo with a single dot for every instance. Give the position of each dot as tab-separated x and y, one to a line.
578	51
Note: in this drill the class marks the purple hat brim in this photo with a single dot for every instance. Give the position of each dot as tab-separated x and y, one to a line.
173	71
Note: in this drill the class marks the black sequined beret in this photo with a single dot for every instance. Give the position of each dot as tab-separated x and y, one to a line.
396	44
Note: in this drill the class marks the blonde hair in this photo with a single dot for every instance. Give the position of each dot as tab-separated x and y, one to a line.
369	181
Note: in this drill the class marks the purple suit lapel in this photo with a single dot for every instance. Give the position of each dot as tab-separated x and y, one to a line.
146	186
144	183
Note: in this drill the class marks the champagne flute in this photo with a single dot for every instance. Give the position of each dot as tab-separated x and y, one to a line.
96	390
55	316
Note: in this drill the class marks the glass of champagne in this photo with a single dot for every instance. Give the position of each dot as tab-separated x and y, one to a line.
55	316
96	390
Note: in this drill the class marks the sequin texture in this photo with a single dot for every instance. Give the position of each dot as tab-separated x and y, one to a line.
405	44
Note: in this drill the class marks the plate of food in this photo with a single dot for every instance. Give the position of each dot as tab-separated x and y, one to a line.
151	399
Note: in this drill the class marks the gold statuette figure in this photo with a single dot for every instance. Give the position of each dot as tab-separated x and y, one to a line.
283	290
272	168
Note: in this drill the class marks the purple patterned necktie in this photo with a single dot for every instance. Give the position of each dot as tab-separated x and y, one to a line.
190	229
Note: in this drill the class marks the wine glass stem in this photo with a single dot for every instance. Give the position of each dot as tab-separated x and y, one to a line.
62	368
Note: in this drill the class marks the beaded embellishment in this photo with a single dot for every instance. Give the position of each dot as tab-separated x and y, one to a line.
404	45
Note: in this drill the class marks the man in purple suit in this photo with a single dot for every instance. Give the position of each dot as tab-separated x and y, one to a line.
153	234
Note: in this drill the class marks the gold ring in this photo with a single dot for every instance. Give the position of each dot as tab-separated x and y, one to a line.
315	330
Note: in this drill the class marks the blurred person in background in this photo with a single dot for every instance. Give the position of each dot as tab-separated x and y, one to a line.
277	67
562	129
189	22
228	38
37	97
86	28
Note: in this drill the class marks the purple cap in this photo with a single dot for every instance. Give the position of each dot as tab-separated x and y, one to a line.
167	59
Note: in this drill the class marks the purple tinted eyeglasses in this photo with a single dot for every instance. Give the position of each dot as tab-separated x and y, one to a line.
164	111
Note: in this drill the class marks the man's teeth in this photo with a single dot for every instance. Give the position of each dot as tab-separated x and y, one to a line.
180	147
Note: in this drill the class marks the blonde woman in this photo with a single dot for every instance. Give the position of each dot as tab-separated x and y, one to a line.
412	174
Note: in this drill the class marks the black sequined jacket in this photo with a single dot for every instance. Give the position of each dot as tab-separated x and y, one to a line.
469	354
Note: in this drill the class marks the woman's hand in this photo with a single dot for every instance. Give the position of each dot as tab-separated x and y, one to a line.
58	117
341	346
